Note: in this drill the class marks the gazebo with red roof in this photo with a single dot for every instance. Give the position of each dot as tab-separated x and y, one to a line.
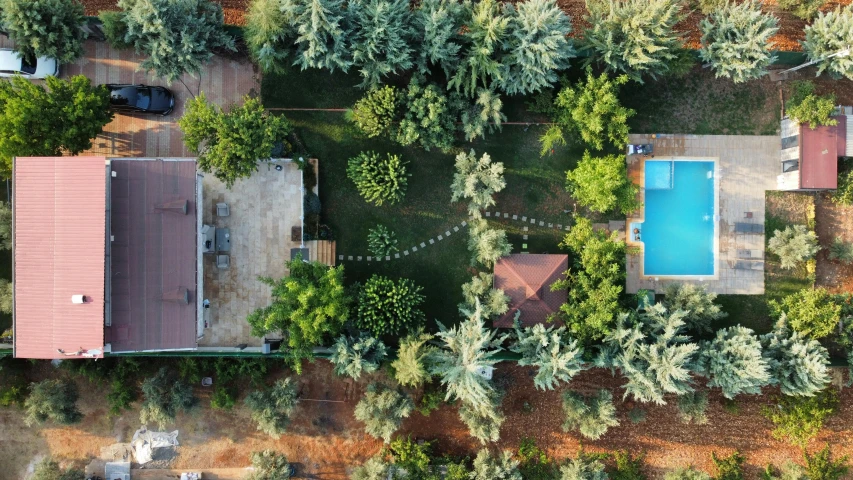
527	279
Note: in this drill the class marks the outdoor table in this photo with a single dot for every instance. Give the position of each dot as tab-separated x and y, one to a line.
223	240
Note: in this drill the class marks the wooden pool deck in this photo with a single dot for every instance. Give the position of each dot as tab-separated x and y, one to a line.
747	166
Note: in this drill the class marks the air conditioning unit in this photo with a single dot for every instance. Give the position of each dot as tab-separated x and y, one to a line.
78	299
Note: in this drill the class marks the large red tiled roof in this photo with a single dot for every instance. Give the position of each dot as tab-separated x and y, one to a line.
59	206
527	279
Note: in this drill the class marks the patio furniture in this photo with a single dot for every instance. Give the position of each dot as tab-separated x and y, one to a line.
208	239
223	240
206	382
223	261
222	210
748	254
749	265
640	149
749	228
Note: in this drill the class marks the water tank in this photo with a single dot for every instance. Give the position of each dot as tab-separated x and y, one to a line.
78	299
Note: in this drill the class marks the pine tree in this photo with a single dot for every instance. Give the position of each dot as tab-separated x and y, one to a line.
438	23
583	468
699	304
386	307
54	400
736	41
691	408
830	33
483	115
651	352
468	348
382	410
429	117
271	408
537	46
381	38
323	34
487	245
269	34
797	364
480	64
499	467
493	302
44	28
477	180
591	416
733	362
353	356
175	36
374	113
793	245
410	366
635	37
557	356
379	179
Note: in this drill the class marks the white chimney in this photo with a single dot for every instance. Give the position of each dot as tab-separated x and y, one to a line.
78	298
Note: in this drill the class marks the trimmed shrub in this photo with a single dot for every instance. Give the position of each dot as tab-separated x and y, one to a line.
830	33
354	356
729	468
793	245
386	307
691	408
799	419
699	304
382	410
590	416
811	312
805	9
378	179
374	114
381	242
841	251
799	365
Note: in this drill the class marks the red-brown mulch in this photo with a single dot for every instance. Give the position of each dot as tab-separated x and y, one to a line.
833	221
790	27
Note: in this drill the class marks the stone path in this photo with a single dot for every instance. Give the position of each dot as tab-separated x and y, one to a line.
451	231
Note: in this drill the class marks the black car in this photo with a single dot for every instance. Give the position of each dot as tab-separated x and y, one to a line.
141	99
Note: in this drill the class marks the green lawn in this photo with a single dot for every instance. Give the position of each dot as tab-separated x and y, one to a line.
535	188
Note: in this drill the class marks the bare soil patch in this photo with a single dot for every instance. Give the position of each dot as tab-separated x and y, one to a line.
833	221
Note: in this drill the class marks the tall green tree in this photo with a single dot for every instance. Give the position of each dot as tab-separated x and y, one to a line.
379	179
308	306
429	117
591	110
591	416
164	396
805	107
733	362
602	184
230	144
269	465
484	115
382	410
386	307
736	41
798	365
793	245
272	407
176	36
699	304
635	37
537	46
410	366
54	400
812	312
48	469
438	25
269	34
557	356
487	245
5	226
830	33
652	352
477	180
382	38
593	283
323	34
374	114
353	356
480	63
45	28
60	119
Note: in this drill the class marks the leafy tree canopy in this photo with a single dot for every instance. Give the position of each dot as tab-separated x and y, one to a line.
379	179
808	108
374	114
163	397
811	312
382	37
386	307
61	119
793	245
45	28
602	184
477	180
176	36
309	306
269	465
353	356
429	116
272	408
799	419
54	400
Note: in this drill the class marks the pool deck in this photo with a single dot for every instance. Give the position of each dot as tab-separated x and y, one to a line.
747	166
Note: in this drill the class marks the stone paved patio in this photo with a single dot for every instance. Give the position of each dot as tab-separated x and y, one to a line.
264	208
747	167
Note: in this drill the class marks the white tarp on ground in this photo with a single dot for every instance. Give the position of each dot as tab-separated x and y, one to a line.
144	442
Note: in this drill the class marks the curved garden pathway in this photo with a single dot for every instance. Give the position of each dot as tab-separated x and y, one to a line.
450	231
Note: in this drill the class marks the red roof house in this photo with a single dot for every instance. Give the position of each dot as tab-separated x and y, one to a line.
810	156
526	279
58	211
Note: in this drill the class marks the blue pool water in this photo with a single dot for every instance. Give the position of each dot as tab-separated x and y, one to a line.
678	231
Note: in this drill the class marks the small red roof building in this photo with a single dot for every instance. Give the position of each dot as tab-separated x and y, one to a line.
527	279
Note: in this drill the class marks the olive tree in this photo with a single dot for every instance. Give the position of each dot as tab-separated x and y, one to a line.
736	41
54	400
45	28
164	396
353	356
272	408
382	410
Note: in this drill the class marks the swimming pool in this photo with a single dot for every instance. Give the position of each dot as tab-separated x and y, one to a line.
678	230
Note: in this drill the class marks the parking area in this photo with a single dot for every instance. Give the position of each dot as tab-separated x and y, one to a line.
224	81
